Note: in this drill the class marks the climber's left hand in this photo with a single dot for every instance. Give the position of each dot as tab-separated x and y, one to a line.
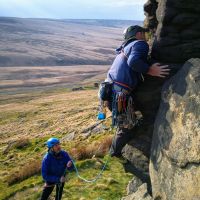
69	164
159	70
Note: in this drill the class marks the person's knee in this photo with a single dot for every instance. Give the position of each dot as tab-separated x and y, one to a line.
121	138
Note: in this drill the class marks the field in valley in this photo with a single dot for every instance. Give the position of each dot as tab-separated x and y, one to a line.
50	42
25	79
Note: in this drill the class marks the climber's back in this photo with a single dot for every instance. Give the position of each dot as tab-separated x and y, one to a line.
130	62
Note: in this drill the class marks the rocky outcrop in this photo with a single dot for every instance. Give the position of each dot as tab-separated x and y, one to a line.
150	8
140	194
133	185
175	152
137	151
176	27
174	161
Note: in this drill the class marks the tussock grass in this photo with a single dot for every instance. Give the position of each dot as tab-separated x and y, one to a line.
28	170
22	143
97	148
48	115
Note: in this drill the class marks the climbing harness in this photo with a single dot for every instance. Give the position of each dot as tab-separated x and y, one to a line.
118	97
123	108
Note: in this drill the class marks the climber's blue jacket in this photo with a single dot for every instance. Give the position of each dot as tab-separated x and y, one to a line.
127	69
54	166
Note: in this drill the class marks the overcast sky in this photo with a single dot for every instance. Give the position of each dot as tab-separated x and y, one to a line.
74	9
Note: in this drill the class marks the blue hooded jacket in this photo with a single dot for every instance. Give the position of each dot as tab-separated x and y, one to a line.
128	69
54	166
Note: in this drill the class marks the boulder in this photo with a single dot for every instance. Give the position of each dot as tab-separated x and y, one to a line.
69	137
140	194
175	150
133	185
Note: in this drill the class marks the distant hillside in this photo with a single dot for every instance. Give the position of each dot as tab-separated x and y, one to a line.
49	42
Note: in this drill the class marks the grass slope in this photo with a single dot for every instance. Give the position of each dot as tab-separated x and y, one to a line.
26	121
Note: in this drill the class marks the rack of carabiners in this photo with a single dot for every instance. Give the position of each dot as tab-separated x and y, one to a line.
123	110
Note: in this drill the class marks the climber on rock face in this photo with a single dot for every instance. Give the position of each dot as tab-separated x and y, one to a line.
54	166
125	74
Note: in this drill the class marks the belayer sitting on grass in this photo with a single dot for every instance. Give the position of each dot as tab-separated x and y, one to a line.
54	166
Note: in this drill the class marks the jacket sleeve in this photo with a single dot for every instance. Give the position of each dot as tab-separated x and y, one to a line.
45	175
137	58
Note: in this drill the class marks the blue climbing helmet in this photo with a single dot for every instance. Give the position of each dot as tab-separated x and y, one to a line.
52	141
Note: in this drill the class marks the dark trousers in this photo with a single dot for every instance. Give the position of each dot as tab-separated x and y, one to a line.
47	190
121	138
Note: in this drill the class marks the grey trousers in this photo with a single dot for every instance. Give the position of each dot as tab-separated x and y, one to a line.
121	138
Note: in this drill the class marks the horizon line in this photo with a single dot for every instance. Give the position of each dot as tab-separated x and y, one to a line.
71	18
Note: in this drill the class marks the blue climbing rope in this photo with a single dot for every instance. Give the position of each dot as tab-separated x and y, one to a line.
94	179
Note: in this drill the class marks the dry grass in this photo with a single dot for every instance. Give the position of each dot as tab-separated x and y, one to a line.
29	169
48	115
18	144
34	119
98	149
22	143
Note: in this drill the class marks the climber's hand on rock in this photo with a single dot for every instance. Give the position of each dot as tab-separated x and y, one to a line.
158	70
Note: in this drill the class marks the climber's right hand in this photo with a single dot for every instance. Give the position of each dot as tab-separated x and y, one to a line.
158	70
62	179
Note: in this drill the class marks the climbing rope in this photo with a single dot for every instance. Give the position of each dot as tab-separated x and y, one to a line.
95	178
84	179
